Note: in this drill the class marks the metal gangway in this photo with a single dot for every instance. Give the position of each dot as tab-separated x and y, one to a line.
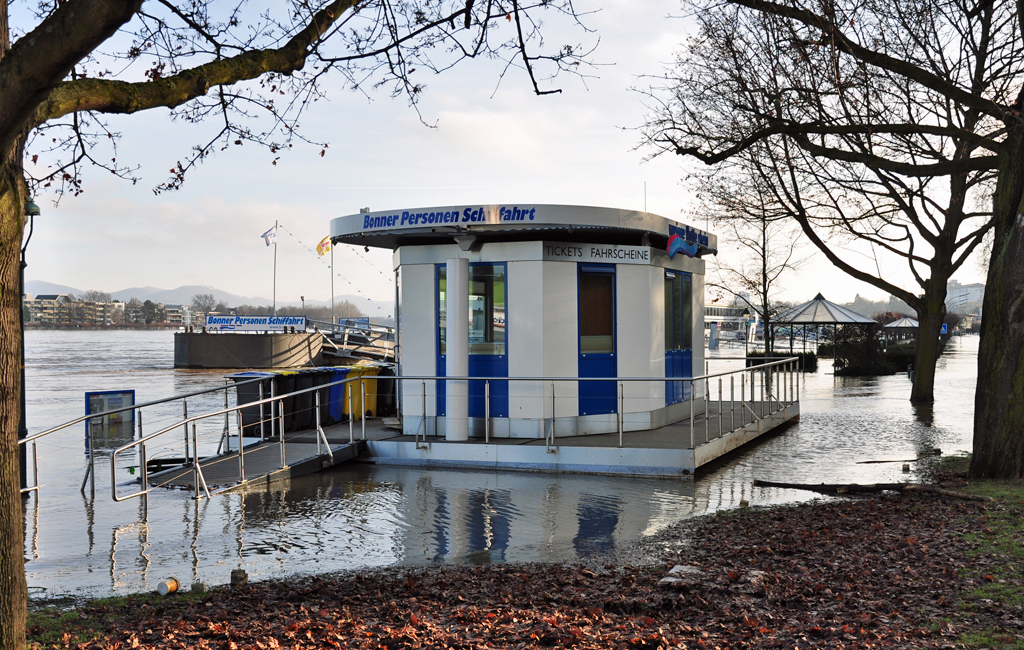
357	338
249	450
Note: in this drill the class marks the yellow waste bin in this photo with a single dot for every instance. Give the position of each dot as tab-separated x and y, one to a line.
366	379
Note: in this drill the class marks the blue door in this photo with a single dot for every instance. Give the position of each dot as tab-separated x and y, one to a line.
487	345
678	335
596	291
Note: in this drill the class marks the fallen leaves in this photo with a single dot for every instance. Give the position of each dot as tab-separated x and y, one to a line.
867	573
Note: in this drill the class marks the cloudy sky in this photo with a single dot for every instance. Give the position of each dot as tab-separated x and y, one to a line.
492	144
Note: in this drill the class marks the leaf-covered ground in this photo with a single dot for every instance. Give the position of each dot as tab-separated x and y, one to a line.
890	571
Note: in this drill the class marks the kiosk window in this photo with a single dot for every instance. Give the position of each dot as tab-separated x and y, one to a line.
597	313
678	324
486	308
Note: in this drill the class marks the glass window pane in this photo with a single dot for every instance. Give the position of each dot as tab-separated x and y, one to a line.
442	306
687	309
597	313
487	309
678	307
669	323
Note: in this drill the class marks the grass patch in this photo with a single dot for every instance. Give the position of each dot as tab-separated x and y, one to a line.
69	621
997	537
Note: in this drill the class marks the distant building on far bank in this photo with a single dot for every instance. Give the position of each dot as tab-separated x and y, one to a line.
964	298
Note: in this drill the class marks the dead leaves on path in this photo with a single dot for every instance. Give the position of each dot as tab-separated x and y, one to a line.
872	573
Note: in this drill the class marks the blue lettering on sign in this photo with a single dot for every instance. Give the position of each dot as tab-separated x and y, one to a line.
468	215
689	234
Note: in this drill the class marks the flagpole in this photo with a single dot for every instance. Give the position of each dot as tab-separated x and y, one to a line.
332	286
275	267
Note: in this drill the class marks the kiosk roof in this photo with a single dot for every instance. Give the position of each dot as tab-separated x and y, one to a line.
470	224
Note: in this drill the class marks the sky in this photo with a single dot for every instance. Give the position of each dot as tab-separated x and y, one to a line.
493	143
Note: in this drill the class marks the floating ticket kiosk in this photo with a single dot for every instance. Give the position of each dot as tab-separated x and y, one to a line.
529	292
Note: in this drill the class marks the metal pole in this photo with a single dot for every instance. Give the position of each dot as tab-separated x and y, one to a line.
424	415
262	415
145	473
705	389
195	458
691	413
241	449
184	416
362	408
333	321
720	407
280	427
273	406
275	267
761	407
487	412
316	397
732	402
351	413
622	403
35	469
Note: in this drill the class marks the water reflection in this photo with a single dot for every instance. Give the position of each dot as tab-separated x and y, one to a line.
361	516
924	413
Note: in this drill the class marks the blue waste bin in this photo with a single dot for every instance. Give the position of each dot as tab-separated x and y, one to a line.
337	397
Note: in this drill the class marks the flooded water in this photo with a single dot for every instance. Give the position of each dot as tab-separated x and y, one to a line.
363	516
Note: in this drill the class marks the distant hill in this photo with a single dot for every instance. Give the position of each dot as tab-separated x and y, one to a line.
38	287
183	296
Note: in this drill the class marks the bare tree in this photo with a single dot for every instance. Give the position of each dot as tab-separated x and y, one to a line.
766	244
882	121
203	302
93	295
251	70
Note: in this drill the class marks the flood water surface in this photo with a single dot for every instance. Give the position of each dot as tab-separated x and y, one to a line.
363	516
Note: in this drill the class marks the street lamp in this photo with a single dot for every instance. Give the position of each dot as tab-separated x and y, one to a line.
31	211
303	299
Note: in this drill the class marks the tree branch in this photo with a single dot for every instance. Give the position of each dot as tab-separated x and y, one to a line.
839	39
40	59
110	96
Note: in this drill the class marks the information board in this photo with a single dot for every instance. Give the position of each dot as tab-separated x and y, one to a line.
255	323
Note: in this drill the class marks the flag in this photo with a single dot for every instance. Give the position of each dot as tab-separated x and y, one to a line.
270	236
323	246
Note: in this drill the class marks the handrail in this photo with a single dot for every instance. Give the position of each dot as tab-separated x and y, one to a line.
279	400
195	418
133	407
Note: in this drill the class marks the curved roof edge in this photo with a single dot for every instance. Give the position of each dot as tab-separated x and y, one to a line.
392	228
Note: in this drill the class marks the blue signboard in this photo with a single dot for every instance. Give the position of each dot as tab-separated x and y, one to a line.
101	401
943	330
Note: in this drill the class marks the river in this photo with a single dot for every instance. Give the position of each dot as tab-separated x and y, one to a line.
363	516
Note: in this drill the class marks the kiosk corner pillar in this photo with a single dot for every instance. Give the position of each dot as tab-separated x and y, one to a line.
457	350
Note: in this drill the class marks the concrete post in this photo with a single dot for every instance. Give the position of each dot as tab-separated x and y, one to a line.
457	350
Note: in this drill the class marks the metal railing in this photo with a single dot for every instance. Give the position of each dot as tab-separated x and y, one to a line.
90	468
276	420
764	389
358	338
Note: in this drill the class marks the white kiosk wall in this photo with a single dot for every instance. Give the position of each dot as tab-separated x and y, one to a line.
541	324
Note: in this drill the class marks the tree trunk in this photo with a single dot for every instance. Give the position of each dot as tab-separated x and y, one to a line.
929	319
999	397
13	588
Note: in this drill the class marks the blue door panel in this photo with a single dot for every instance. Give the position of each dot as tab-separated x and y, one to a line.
488	365
597	397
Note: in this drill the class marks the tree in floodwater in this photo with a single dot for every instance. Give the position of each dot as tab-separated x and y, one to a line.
251	70
864	159
887	123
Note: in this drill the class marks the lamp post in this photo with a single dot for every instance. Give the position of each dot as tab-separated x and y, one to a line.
746	330
31	211
303	299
